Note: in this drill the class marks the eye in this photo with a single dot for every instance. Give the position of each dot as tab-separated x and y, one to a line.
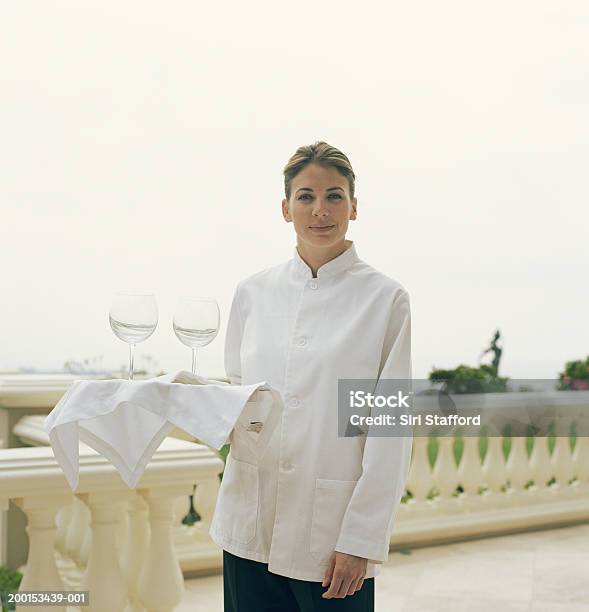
303	196
337	195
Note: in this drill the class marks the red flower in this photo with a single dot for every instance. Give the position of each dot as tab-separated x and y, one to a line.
580	385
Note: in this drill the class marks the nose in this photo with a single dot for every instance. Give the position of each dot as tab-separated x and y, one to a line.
320	209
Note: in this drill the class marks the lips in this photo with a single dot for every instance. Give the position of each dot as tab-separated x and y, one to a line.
321	226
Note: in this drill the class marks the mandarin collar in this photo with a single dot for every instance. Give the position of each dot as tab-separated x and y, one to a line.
334	266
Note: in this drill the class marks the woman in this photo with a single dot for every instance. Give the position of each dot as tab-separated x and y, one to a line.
309	517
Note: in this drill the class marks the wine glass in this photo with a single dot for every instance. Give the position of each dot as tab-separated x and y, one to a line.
133	318
196	323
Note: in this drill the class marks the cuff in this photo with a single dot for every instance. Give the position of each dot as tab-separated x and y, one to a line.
367	550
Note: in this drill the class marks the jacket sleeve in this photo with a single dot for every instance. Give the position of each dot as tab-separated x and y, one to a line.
368	521
233	337
232	358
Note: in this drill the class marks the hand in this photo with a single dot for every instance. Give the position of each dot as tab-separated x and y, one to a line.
344	575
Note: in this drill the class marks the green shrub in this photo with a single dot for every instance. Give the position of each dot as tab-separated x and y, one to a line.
465	379
9	581
575	376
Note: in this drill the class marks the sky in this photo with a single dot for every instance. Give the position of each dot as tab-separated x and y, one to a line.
142	147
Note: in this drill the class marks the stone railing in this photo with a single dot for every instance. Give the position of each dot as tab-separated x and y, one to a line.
117	543
194	549
500	493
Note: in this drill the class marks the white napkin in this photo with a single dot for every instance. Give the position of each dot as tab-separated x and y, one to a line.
126	420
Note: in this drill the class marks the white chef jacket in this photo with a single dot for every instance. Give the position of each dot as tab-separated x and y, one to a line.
311	492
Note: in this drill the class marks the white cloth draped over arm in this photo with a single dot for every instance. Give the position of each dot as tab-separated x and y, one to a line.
127	420
368	521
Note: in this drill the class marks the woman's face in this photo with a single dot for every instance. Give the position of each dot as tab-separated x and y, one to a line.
319	206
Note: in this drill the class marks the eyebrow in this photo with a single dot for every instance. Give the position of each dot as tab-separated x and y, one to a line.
309	189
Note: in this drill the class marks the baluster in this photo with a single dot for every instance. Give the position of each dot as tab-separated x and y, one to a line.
136	548
581	459
540	463
580	454
4	505
63	521
470	471
519	471
161	584
122	530
420	480
562	460
445	472
86	544
494	469
205	498
41	572
79	525
180	510
103	577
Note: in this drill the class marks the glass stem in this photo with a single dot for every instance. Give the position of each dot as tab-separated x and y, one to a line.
194	361
131	357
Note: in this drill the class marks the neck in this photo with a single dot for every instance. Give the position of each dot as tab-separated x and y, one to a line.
315	257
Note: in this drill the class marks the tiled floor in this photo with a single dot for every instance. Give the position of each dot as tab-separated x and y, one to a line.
541	571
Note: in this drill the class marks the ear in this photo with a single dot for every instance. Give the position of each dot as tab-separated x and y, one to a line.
286	211
353	212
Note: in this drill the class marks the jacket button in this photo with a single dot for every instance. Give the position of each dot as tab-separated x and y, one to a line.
286	466
294	402
302	341
313	285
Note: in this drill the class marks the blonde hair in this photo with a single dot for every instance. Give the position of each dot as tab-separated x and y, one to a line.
318	153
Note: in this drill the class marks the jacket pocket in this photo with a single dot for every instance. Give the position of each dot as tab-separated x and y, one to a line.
255	426
329	506
236	513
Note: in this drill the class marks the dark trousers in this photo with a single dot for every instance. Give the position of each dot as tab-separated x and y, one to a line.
248	586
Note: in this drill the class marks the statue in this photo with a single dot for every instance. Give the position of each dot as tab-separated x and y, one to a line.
496	350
